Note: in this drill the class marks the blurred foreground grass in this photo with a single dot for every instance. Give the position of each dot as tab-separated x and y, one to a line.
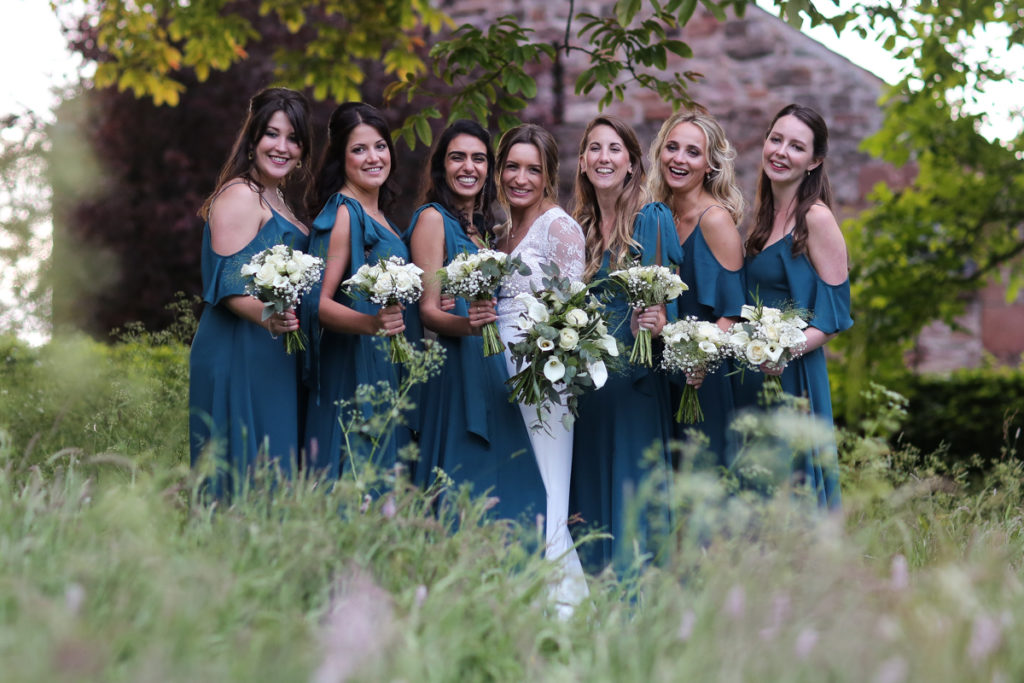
110	570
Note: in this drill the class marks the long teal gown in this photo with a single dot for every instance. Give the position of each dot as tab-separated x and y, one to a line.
619	422
337	363
468	426
244	399
779	279
714	292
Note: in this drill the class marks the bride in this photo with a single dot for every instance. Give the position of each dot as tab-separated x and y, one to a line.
539	231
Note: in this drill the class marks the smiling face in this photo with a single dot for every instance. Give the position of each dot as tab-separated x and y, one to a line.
277	151
683	159
522	176
465	166
605	160
367	158
788	152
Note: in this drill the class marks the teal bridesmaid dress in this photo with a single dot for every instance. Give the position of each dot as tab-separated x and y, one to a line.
244	398
468	427
618	423
779	279
714	292
337	363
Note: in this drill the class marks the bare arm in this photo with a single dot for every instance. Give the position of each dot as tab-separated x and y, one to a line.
235	219
336	316
427	247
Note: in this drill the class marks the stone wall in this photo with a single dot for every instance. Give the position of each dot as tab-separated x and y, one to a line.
752	67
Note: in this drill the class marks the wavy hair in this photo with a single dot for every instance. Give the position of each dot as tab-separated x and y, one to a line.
632	197
262	106
530	134
815	186
719	182
331	175
437	188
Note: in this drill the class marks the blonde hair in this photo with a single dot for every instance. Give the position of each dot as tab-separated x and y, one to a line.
530	134
631	199
720	182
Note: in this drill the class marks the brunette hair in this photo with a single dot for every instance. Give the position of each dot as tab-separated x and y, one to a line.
262	106
719	182
814	187
331	176
437	189
631	199
530	134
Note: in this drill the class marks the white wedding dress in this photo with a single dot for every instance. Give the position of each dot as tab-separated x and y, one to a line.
554	236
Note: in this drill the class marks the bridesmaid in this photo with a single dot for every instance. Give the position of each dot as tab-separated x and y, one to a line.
242	405
693	172
796	254
539	231
468	428
631	413
353	186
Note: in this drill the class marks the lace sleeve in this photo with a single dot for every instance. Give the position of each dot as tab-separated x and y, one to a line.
566	247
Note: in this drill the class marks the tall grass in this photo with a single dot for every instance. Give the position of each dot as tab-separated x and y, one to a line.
112	569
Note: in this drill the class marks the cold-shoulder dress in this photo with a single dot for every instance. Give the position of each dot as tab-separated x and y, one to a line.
468	426
244	398
780	278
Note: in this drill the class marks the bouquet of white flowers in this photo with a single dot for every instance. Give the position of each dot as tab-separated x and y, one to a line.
388	282
475	277
693	345
279	276
768	336
564	345
647	286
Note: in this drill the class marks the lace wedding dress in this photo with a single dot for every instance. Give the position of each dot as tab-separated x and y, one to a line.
554	236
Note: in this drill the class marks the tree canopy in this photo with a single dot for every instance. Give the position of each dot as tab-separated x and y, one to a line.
914	253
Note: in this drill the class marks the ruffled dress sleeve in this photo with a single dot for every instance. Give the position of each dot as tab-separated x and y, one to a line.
222	275
720	290
829	304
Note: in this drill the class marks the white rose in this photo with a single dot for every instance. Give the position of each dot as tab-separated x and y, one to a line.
706	330
568	339
739	338
598	372
771	331
756	352
266	275
404	281
545	344
792	337
280	281
771	315
576	317
575	287
553	369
